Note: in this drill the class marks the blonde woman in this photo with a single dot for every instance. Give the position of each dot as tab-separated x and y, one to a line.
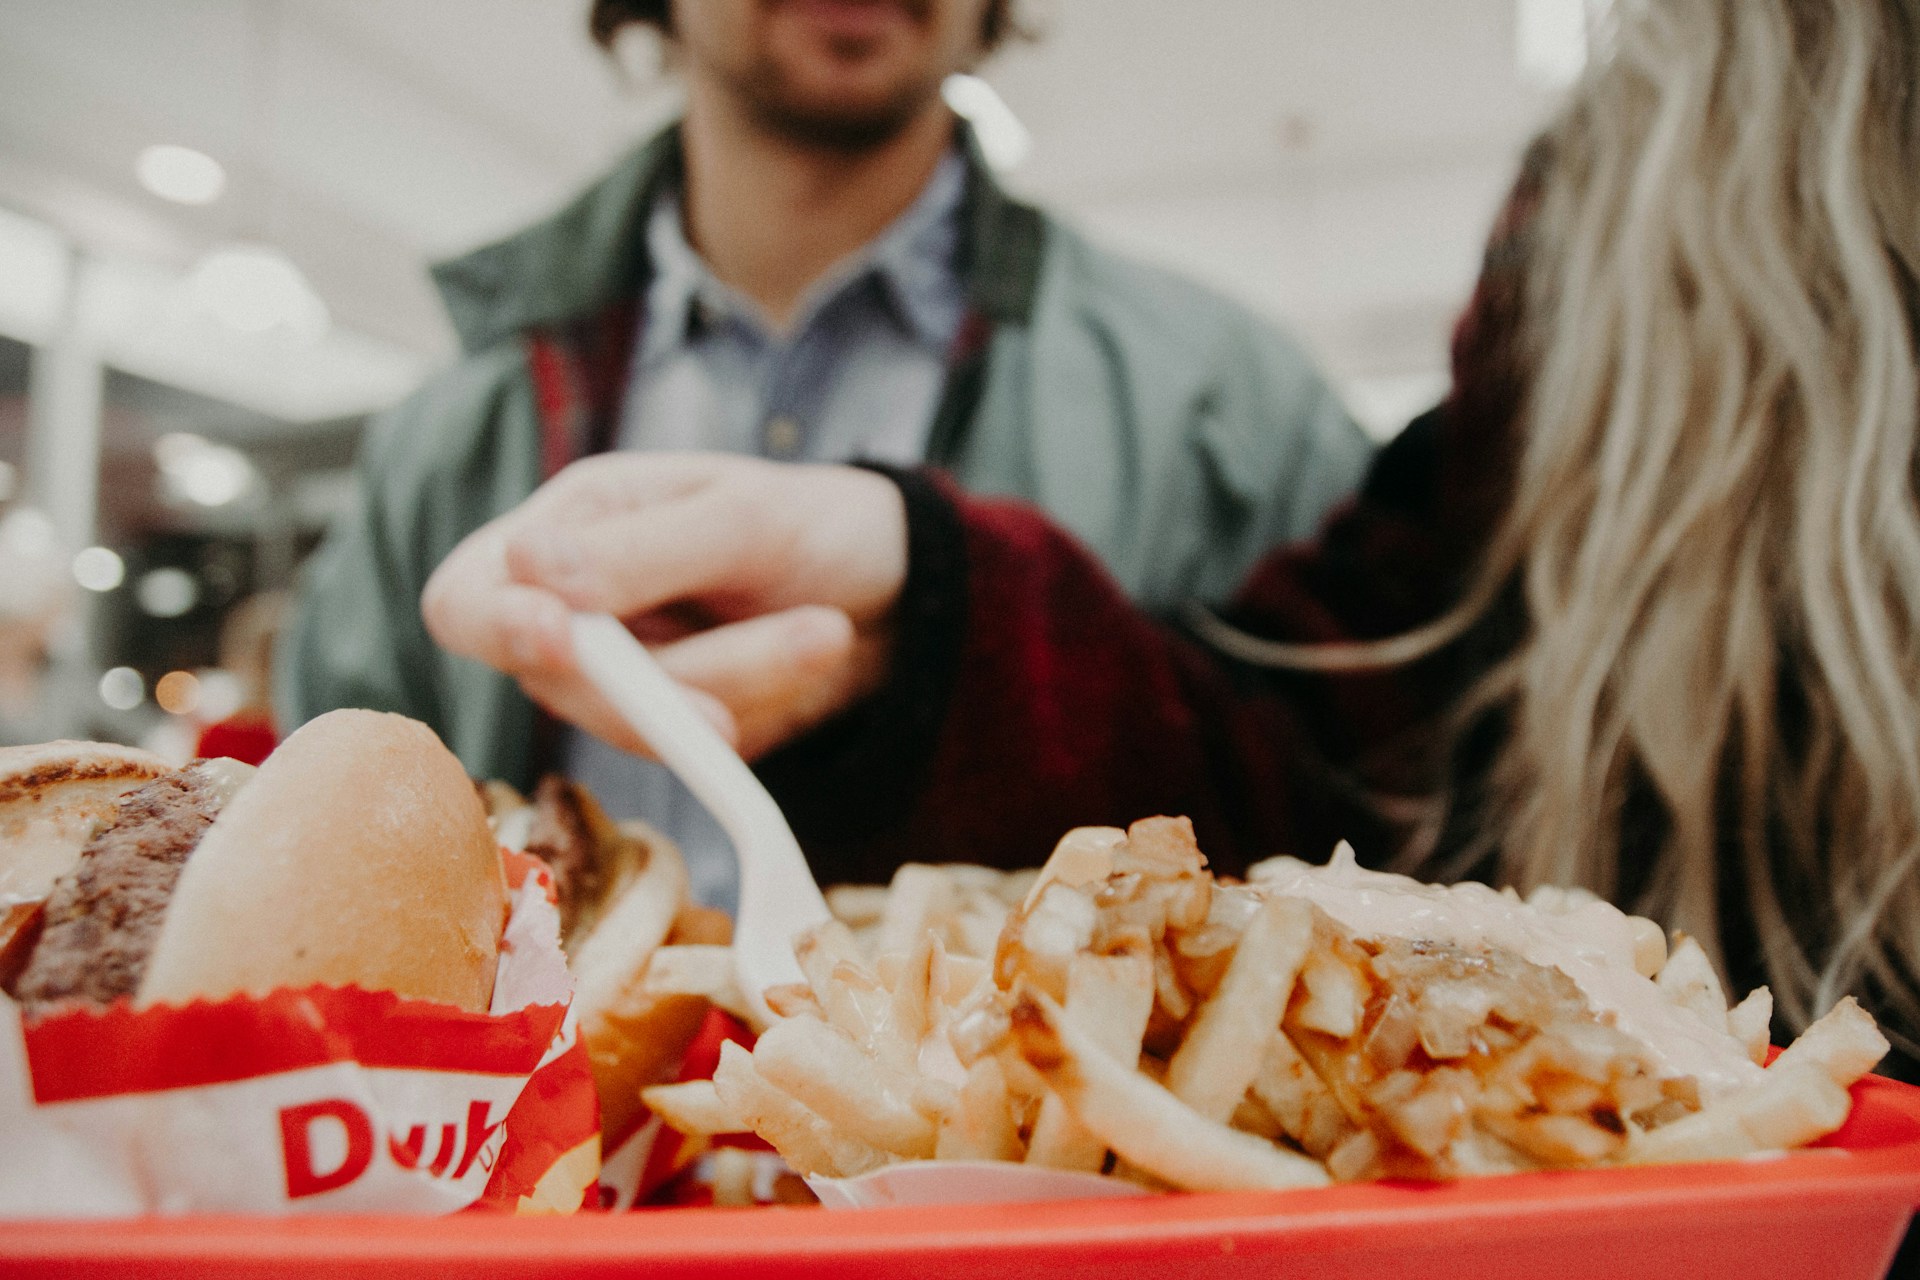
1637	609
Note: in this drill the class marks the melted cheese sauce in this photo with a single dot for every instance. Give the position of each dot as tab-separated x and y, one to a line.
224	777
1593	944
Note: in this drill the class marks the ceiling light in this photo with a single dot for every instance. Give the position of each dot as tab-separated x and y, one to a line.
1003	139
180	174
1550	42
28	533
196	470
166	593
256	289
122	689
99	569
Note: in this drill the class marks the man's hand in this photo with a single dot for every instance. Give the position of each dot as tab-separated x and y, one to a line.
765	589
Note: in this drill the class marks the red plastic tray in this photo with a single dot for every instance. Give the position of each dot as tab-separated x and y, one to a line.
1836	1213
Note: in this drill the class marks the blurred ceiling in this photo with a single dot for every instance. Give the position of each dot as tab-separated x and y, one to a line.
1335	165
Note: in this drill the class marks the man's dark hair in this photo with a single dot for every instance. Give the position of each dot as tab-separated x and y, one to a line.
606	18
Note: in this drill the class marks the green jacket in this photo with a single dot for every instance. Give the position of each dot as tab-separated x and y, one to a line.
1175	434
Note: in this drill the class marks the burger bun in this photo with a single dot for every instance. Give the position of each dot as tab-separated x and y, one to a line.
53	796
358	855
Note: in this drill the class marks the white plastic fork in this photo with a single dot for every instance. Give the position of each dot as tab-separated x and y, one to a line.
778	896
778	900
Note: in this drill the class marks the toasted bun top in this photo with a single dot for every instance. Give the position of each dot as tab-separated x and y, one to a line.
52	797
358	855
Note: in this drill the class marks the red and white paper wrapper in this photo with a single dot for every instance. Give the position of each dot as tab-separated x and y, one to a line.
642	1164
324	1100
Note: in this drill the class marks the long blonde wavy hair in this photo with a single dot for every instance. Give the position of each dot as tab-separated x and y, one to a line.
1714	526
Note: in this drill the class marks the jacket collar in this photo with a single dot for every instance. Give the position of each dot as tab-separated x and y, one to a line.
592	254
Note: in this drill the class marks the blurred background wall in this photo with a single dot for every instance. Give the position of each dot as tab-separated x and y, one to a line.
214	216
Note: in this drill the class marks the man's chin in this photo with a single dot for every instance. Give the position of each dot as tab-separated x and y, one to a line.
840	125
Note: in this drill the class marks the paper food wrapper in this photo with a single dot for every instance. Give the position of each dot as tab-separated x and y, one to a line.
323	1100
643	1165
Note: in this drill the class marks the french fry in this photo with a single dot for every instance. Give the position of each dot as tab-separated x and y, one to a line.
1042	938
955	979
1355	1156
1109	999
909	1016
851	996
1299	1099
857	905
1084	856
802	1136
1750	1022
693	1108
1787	1108
919	900
1844	1045
1690	982
826	1070
793	1000
1201	955
704	971
1161	848
1335	999
981	1126
732	1176
1649	946
975	932
1222	1052
968	878
1140	1120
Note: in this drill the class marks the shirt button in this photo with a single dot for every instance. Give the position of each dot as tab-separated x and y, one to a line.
782	438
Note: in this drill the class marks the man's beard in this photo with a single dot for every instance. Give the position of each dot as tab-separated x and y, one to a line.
831	126
777	107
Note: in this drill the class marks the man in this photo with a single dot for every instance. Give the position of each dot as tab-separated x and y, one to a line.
813	265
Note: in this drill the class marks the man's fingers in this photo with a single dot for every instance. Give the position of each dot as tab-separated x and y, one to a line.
672	545
717	714
779	674
607	483
631	562
509	627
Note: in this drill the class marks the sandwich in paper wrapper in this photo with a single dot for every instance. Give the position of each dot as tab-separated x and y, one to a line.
653	985
295	1097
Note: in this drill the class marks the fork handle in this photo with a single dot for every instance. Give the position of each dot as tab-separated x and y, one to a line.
776	884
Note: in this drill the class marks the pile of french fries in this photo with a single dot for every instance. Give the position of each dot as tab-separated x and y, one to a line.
1122	1011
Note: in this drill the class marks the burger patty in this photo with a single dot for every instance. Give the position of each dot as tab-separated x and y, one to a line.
561	838
104	915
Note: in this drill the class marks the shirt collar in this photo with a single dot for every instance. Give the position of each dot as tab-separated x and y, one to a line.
914	260
916	257
681	282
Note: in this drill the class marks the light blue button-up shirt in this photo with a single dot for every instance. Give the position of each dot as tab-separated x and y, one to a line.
857	374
